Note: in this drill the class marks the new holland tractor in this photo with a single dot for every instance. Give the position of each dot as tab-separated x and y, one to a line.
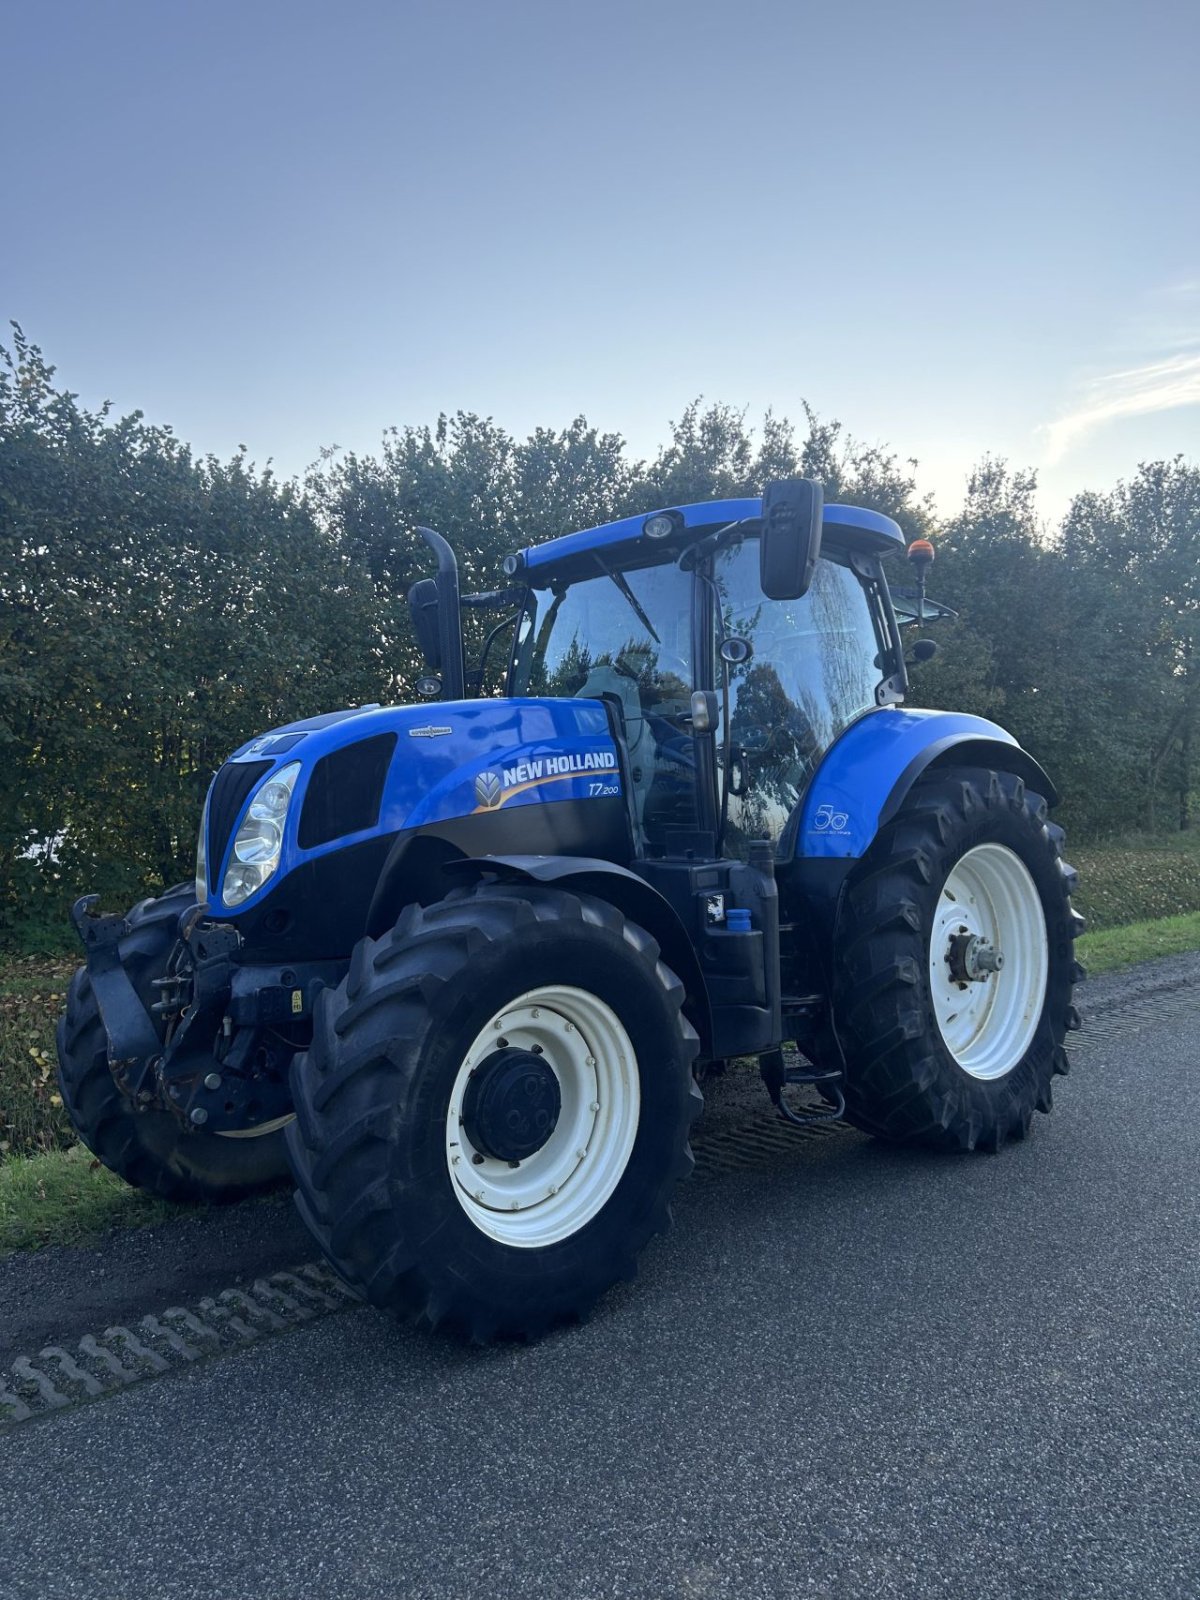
459	965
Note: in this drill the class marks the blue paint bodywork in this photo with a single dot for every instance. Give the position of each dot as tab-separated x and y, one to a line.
846	800
708	514
513	746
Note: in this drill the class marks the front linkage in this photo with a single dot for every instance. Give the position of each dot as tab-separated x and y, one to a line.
214	1047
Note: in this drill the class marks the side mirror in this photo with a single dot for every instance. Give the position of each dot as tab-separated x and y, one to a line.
705	712
423	608
923	650
790	541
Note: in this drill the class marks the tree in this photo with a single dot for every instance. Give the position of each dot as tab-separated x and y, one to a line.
155	612
1141	543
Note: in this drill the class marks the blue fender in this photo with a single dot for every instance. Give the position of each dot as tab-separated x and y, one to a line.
862	782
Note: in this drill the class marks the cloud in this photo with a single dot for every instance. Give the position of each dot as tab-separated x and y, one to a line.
1158	351
1162	385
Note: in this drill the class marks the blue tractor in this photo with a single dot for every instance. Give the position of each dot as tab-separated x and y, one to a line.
459	965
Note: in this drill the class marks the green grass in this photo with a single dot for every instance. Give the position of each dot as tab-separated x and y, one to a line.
1111	948
32	993
1138	879
66	1197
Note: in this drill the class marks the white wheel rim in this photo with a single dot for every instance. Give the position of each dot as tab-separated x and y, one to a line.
557	1190
987	1023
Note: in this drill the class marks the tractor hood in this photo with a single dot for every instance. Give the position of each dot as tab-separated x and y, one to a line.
370	773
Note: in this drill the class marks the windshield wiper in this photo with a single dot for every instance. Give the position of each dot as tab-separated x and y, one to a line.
622	584
691	555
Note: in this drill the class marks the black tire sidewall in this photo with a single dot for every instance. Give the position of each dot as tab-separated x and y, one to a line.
1015	828
448	1244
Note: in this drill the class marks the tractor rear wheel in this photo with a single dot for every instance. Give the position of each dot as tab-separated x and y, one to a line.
954	965
151	1149
494	1110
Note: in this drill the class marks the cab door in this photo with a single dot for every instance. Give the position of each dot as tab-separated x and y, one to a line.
814	667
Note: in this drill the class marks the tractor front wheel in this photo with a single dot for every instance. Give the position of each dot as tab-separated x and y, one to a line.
494	1109
954	965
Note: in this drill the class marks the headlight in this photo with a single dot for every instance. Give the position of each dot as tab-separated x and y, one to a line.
259	840
202	857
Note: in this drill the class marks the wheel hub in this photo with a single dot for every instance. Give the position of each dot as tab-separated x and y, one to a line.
512	1104
972	958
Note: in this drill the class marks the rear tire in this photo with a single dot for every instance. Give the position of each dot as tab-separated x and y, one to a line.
393	1179
150	1149
940	1049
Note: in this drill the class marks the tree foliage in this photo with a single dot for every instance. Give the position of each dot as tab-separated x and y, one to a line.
157	609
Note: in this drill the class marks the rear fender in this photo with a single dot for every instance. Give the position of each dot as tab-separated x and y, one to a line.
866	775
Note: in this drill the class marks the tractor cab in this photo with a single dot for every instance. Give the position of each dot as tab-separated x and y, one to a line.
727	696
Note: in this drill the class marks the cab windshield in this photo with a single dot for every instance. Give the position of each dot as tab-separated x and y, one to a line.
628	634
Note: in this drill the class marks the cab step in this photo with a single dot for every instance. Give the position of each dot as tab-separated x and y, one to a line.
776	1075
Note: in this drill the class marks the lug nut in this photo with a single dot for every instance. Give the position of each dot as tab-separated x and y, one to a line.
213	1080
199	1115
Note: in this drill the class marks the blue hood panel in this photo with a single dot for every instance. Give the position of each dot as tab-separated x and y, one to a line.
451	759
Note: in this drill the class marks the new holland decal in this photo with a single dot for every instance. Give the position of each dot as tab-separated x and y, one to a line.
595	772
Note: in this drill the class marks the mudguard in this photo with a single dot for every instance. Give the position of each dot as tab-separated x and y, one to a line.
864	777
631	894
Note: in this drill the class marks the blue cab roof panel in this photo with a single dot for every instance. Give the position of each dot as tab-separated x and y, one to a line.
882	531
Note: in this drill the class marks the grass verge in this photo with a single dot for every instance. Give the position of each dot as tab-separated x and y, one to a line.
1111	948
66	1197
32	1119
1124	881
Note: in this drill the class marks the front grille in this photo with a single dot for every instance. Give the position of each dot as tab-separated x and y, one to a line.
233	783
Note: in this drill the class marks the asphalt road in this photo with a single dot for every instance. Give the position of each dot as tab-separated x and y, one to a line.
862	1373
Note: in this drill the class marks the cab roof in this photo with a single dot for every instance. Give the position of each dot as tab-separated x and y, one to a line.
858	527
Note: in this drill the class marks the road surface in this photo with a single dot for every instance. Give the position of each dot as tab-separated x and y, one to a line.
849	1371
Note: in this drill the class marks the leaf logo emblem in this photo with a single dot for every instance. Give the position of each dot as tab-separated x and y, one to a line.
488	788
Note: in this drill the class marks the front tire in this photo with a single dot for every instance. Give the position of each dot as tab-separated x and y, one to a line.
494	1110
955	964
150	1149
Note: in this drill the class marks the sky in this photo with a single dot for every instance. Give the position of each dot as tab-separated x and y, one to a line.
959	228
